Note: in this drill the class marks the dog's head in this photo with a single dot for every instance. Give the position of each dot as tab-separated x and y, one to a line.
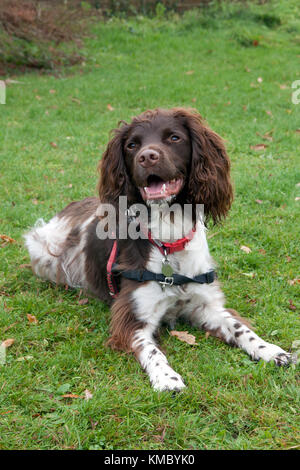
167	155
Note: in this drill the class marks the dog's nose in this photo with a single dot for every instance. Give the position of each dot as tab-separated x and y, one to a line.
148	157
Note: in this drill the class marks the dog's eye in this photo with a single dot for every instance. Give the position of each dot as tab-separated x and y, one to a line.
174	138
131	145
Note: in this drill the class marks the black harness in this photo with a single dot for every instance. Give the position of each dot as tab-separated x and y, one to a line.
143	275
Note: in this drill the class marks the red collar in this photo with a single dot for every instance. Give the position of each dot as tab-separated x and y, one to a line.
169	248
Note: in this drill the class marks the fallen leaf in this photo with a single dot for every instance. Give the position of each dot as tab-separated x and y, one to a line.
288	259
10	326
268	136
52	91
76	100
87	395
259	201
7	342
71	395
22	266
258	147
293	282
269	113
110	108
246	249
252	275
297	131
297	198
262	251
32	318
255	43
24	358
291	305
184	336
53	144
6	239
83	301
283	86
189	72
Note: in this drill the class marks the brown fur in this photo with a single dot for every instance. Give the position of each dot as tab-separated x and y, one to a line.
208	180
123	322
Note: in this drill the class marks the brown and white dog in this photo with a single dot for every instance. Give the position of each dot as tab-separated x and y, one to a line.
162	156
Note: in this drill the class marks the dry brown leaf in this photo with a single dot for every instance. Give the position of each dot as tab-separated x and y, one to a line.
32	318
23	266
291	305
258	147
292	282
7	239
7	342
190	72
71	395
109	107
83	301
184	336
53	144
246	249
259	201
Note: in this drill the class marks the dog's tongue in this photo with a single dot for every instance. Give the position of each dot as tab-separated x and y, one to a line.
159	189
156	187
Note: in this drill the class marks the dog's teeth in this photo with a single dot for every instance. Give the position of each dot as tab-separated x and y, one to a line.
164	187
146	189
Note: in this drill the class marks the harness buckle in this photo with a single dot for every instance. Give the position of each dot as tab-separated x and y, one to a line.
169	281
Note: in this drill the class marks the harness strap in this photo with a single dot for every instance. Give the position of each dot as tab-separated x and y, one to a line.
142	275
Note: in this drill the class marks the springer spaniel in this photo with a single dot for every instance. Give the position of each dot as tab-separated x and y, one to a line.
161	157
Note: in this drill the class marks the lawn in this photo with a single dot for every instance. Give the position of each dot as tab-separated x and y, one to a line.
60	386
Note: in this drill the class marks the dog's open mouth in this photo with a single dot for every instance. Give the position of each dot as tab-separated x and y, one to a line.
158	189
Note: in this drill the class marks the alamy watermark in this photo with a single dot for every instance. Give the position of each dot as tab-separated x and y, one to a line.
2	92
164	221
296	93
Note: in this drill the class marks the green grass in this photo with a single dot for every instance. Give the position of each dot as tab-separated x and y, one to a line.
230	402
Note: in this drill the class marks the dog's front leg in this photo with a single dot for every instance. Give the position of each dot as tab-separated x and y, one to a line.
154	362
228	326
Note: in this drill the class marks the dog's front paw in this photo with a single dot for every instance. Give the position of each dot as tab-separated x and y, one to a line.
270	352
166	379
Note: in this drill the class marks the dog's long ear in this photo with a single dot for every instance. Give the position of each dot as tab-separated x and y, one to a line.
114	179
209	182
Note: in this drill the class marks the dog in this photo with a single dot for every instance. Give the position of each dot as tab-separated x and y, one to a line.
161	158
